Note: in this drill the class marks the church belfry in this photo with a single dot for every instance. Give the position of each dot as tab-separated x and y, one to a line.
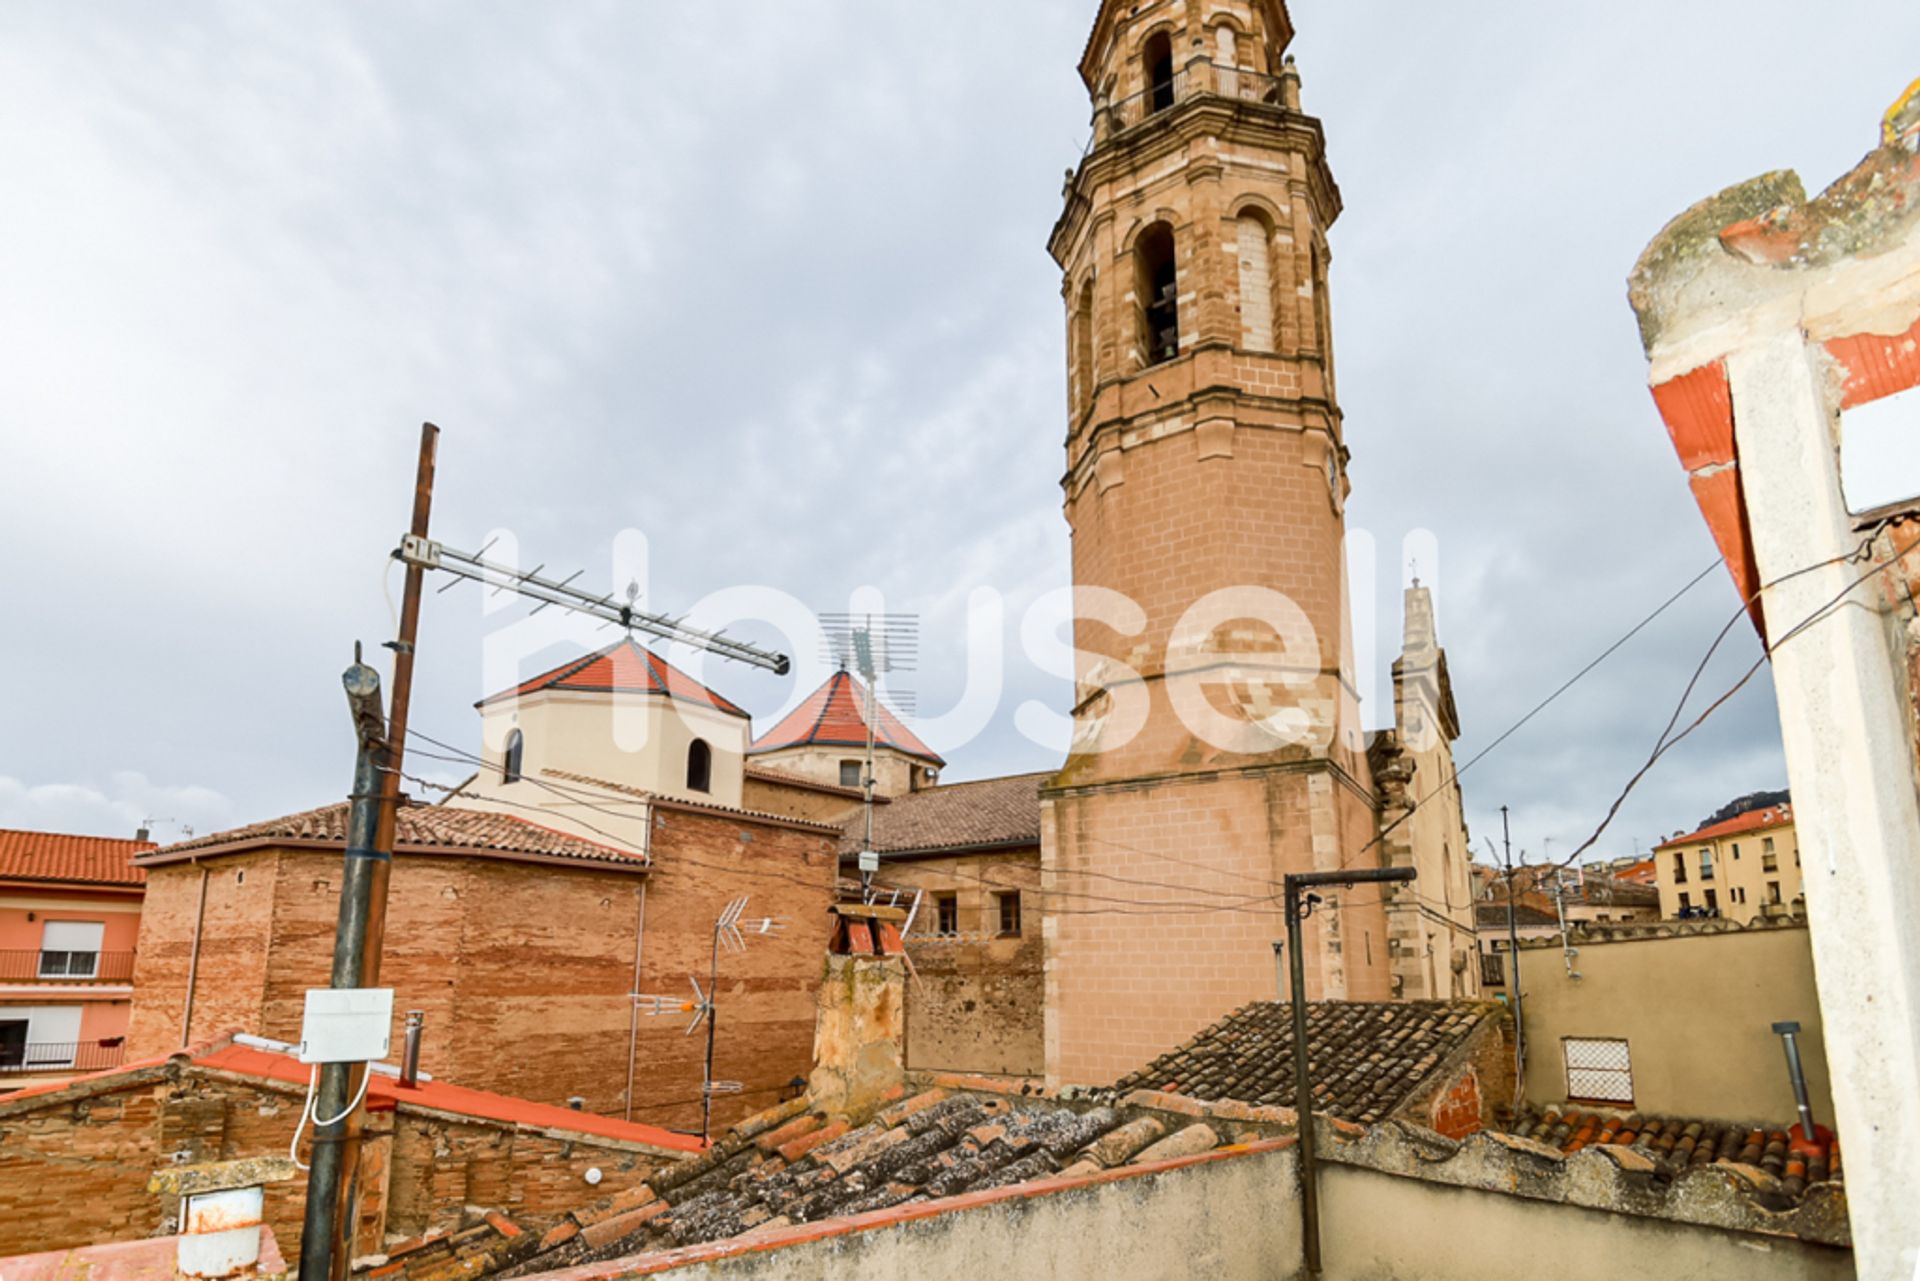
1217	742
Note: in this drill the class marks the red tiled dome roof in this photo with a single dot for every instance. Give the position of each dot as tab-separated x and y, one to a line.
835	715
624	667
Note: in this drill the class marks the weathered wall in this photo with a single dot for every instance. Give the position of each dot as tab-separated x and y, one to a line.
976	1001
1102	1231
1712	1054
1379	1227
74	1167
523	969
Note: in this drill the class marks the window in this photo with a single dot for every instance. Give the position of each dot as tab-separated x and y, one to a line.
1686	902
1159	291
1706	864
1157	58
946	915
1773	891
1009	905
699	766
1766	845
850	774
516	749
1713	901
1493	969
71	949
1254	239
1679	869
1736	850
1226	56
1598	1071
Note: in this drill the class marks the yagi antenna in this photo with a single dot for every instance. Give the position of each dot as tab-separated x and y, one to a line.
474	567
730	932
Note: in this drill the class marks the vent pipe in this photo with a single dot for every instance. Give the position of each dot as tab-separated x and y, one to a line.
1789	1034
410	1055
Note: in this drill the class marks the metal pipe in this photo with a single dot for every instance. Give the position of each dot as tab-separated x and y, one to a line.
410	1054
633	995
322	1244
193	960
1789	1034
1302	1076
1513	946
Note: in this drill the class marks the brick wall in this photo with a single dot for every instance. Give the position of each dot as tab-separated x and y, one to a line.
523	969
74	1166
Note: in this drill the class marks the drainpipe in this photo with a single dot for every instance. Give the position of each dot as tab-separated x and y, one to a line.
633	996
193	959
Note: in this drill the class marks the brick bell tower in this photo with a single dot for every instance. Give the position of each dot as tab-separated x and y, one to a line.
1217	742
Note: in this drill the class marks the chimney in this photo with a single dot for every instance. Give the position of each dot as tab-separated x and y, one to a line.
142	835
221	1213
859	1028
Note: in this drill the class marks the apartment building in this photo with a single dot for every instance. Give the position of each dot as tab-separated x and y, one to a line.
1742	868
69	918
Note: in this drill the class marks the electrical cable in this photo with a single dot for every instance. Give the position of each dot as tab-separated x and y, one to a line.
307	1114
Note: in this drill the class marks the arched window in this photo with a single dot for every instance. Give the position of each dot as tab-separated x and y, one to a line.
1157	60
699	766
1084	374
1255	239
510	767
1159	292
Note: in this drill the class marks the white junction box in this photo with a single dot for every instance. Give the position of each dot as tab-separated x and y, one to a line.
346	1025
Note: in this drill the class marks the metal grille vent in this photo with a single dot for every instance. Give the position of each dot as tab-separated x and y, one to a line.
1598	1070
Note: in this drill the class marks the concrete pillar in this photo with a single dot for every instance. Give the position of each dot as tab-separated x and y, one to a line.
1850	764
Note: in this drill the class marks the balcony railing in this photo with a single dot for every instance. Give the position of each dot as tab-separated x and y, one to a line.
20	966
61	1056
1195	80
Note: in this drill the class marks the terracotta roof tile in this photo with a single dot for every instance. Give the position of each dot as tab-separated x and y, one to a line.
835	716
1489	915
1369	1056
1676	1144
418	827
991	811
56	856
932	1146
624	667
1759	820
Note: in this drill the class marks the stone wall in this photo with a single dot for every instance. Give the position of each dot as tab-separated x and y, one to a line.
74	1164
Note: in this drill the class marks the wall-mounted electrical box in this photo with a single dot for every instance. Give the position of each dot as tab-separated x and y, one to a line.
346	1025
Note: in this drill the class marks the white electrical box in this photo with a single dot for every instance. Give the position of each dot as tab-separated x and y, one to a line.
346	1025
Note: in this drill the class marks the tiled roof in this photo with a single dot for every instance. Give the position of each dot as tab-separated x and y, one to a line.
991	811
420	827
1490	915
624	667
835	716
56	856
1369	1056
792	1166
686	803
779	778
1752	821
1677	1144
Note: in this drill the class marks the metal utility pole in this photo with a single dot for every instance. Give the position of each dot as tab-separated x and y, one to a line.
1513	951
1297	911
333	1186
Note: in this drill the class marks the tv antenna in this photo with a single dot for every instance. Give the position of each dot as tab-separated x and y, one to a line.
872	646
534	584
730	933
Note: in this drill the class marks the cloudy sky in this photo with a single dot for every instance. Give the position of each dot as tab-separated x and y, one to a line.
767	283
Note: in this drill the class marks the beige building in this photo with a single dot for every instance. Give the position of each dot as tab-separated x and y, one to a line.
1743	868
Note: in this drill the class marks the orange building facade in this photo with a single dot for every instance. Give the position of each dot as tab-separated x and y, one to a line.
69	923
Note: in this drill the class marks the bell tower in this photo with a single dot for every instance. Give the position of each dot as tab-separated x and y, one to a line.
1217	744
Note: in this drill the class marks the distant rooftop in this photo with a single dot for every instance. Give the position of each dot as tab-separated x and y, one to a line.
59	858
